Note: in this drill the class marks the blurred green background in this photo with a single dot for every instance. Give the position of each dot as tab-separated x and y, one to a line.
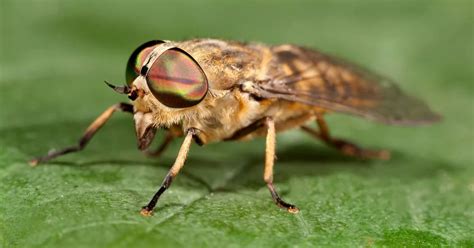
56	54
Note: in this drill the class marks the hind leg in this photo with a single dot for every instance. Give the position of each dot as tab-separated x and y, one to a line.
346	147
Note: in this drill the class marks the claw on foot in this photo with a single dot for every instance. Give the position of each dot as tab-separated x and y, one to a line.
145	212
384	155
293	209
284	205
355	151
33	162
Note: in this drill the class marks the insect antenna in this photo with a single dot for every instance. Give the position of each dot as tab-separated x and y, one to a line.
119	89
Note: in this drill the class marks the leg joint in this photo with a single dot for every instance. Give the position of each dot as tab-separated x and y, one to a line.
168	180
125	107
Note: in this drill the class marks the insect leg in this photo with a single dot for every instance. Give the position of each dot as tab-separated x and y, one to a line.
178	164
344	146
247	130
88	134
156	153
269	162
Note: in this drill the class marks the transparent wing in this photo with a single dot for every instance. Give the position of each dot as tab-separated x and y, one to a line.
311	77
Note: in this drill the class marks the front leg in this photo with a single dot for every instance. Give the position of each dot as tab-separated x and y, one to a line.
88	134
172	173
269	162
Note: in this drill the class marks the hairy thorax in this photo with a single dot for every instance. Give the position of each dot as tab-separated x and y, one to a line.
228	107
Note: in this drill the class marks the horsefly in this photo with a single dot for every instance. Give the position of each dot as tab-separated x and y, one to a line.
210	90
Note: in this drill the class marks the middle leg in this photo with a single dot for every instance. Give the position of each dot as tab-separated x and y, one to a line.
269	162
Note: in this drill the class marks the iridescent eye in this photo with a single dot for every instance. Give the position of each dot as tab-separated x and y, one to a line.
137	58
177	80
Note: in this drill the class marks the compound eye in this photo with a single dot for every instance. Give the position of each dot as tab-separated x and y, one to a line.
177	80
135	62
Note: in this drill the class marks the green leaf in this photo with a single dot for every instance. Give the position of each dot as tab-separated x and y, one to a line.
56	54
